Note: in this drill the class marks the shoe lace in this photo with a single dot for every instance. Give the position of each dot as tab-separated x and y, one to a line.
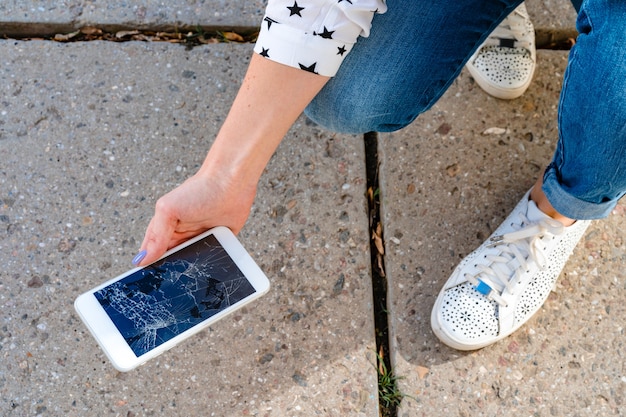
510	32
517	251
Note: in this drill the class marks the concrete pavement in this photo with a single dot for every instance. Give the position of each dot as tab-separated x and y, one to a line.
448	180
28	17
92	133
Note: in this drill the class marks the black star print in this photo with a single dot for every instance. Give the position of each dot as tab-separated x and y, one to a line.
326	34
295	9
265	52
341	50
310	68
269	22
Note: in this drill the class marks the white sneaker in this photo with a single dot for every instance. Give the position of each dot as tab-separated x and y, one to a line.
504	64
499	286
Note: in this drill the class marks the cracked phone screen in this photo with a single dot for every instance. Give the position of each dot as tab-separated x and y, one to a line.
159	302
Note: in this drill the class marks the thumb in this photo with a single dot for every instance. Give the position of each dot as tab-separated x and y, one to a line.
156	240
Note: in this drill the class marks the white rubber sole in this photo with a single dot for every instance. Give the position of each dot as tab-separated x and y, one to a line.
455	344
497	91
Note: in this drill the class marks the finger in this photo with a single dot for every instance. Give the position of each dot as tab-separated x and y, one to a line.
159	236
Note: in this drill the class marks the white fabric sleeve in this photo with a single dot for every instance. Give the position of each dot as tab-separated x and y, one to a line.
314	35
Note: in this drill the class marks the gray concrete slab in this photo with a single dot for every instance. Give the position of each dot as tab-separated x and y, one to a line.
26	17
551	14
90	135
448	182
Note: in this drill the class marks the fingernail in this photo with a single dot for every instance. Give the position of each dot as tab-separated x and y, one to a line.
139	257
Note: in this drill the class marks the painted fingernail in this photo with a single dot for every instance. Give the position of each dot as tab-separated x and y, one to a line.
139	257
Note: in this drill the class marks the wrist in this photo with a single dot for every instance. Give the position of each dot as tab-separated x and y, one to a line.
235	162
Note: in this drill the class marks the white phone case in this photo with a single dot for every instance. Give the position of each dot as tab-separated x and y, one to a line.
146	311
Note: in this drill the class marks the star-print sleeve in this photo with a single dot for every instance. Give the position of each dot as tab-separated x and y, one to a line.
314	35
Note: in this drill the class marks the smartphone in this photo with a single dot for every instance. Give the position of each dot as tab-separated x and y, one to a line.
148	310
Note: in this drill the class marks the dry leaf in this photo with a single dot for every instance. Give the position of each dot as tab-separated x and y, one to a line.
140	37
232	36
169	35
90	30
495	131
124	33
207	41
61	38
379	245
422	371
378	241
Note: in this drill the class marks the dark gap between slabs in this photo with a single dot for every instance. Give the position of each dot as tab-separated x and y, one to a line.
379	280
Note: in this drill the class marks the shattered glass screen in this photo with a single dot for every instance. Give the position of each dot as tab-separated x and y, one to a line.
163	300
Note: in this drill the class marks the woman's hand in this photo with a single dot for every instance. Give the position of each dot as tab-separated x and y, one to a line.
200	203
270	99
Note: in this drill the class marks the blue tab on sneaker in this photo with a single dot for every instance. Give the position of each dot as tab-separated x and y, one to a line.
483	288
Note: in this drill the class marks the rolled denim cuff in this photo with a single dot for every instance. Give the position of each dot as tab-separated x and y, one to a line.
570	206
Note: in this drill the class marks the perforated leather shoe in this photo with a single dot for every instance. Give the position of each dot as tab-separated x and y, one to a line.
504	64
498	287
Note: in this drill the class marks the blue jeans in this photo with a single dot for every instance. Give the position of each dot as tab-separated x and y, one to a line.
417	49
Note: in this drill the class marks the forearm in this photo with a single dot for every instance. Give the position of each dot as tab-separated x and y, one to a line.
276	90
270	99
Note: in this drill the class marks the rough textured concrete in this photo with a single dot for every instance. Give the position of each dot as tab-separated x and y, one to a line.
25	16
90	135
447	184
551	14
